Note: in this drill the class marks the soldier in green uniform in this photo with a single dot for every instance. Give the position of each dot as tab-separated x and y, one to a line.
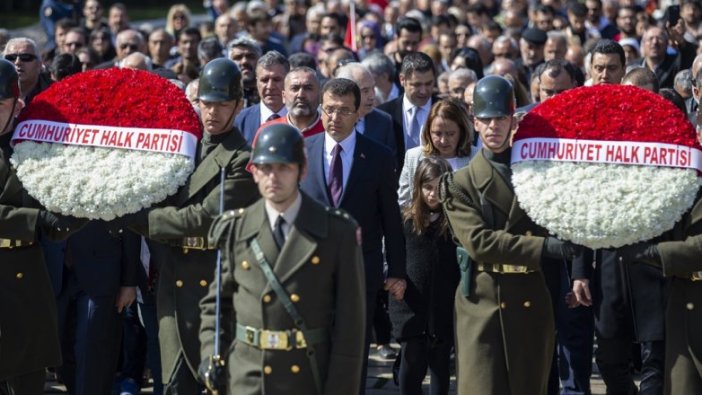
505	331
679	254
293	308
28	330
187	265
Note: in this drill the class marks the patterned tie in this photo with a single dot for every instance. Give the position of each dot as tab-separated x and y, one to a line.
273	116
278	233
336	176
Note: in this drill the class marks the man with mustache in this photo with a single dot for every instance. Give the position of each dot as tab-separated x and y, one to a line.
245	52
301	96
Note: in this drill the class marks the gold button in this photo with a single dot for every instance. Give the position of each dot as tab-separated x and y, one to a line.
527	304
528	233
266	298
295	369
179	283
245	265
241	211
203	283
267	369
503	305
315	260
20	275
690	306
295	298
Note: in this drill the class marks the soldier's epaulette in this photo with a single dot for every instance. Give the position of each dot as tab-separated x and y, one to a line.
232	214
340	213
222	223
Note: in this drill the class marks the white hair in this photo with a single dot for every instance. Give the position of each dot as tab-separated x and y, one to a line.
19	40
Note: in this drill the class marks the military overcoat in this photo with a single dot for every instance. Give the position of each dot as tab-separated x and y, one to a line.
505	331
321	268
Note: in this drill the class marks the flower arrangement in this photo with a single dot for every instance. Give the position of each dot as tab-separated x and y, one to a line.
105	143
606	166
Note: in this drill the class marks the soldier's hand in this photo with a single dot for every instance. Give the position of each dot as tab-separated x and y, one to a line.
581	291
559	249
640	252
213	375
139	219
51	221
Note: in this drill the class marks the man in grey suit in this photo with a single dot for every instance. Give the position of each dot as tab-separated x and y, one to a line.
373	123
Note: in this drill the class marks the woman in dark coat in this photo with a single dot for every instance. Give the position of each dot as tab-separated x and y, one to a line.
423	320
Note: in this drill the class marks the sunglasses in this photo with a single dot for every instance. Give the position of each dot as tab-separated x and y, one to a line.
23	57
133	47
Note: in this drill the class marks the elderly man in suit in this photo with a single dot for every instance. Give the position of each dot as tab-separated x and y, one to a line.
186	267
411	110
373	123
270	79
350	171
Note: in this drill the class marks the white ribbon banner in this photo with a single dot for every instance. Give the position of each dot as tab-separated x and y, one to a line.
169	141
598	151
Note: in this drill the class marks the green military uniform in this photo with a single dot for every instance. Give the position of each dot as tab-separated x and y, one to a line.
682	262
320	266
505	331
185	273
28	329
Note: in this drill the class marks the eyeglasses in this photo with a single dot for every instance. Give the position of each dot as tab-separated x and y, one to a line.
342	112
179	17
132	47
23	57
76	44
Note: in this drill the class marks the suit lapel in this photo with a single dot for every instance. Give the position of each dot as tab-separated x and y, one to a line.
495	189
358	166
399	117
317	168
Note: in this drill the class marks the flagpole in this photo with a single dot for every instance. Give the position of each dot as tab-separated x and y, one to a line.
352	17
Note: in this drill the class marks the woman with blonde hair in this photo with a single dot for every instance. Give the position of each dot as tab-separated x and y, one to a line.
177	19
447	133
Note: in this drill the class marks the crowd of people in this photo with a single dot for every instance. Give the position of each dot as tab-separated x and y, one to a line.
362	144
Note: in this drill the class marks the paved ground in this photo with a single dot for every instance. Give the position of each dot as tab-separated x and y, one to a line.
378	382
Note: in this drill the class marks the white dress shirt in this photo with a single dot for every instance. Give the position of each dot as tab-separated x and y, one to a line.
348	146
267	112
422	116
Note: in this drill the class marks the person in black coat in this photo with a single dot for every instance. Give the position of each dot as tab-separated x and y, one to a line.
423	320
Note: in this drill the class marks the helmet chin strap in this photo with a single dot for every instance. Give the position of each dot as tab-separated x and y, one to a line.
10	118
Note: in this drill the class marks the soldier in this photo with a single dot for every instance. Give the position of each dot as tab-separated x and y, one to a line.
187	267
28	310
292	285
504	324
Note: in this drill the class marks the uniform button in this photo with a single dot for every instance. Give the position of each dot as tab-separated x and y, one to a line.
295	298
203	283
179	283
527	304
267	369
315	260
528	233
20	275
295	369
503	305
266	298
241	211
245	265
690	306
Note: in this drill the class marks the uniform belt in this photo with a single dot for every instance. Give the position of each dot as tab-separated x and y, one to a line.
196	243
505	269
696	276
279	340
9	243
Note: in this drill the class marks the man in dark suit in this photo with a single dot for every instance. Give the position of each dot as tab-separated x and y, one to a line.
98	276
410	111
270	80
350	171
655	47
372	123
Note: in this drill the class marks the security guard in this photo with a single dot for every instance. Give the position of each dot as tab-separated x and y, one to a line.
504	321
28	330
186	268
292	284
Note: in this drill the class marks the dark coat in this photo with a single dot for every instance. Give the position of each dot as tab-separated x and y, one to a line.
432	278
505	328
320	264
379	127
672	64
28	329
370	197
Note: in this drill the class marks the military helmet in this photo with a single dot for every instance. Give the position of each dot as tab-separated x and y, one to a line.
9	81
279	143
220	80
493	97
